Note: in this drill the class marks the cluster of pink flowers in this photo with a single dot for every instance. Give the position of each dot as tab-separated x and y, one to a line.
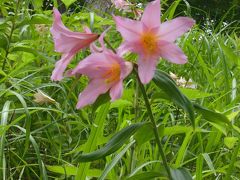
149	38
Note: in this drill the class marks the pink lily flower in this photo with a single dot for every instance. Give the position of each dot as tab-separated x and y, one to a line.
68	43
121	4
150	39
106	71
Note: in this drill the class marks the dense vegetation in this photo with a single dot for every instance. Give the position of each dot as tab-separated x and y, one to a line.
50	139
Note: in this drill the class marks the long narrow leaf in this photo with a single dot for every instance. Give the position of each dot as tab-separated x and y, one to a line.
114	161
96	132
212	116
4	118
164	82
43	171
113	145
180	174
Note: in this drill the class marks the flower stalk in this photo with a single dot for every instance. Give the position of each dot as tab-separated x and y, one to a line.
155	129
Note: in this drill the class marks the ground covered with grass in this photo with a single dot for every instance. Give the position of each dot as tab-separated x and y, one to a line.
183	124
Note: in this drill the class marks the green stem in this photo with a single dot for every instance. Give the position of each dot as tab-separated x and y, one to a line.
110	46
155	129
7	50
10	36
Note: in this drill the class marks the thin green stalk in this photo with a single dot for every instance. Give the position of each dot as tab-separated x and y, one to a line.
110	46
10	36
155	129
136	103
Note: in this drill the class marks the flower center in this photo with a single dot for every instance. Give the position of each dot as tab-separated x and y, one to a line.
149	42
112	74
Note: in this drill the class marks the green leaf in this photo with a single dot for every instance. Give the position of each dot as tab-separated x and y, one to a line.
2	73
28	121
139	168
209	162
42	169
164	82
4	118
4	43
40	19
202	63
212	116
102	99
230	141
120	103
229	53
145	175
233	115
199	167
183	149
30	50
218	120
180	174
68	2
66	170
113	145
109	167
37	4
144	134
170	11
233	160
194	93
34	19
91	144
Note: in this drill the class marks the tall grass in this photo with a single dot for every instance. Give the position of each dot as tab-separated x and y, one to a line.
45	141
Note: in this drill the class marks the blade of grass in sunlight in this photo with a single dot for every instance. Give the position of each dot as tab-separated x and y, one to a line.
4	119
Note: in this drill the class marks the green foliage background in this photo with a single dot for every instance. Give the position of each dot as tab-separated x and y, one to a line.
215	10
50	140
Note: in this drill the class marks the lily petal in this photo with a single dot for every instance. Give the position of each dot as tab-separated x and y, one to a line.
171	30
130	47
93	47
58	26
116	91
151	14
57	23
146	68
129	29
65	43
93	66
68	43
126	70
60	67
151	40
171	52
89	95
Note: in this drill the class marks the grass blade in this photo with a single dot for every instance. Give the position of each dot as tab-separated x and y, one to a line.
4	117
115	160
96	132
